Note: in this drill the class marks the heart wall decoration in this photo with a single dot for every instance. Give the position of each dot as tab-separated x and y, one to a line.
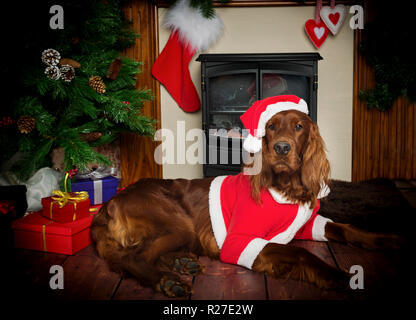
317	32
316	29
333	17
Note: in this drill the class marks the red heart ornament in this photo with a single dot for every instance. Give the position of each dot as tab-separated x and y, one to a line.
317	32
334	17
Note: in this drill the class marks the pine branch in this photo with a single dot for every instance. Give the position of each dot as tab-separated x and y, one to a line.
31	106
206	7
94	35
78	153
127	115
34	160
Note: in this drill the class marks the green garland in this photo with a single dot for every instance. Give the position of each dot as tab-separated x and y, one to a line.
206	6
387	47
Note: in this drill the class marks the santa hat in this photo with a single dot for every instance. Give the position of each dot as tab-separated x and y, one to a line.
261	111
191	32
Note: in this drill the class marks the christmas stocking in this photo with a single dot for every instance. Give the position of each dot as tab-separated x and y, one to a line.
191	33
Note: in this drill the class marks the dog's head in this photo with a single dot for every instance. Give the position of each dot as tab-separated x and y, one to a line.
293	157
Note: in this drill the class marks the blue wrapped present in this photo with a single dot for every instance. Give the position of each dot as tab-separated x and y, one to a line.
99	191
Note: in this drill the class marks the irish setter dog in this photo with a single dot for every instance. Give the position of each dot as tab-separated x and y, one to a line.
154	229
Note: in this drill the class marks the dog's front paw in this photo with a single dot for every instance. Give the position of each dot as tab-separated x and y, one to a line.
188	266
173	287
334	279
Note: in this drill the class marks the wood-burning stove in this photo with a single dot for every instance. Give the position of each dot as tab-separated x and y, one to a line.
232	82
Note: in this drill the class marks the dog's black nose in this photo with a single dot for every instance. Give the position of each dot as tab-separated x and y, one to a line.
282	148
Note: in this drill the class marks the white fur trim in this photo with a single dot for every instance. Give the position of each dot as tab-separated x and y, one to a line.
303	215
250	252
252	144
196	30
281	198
318	228
272	109
324	191
215	211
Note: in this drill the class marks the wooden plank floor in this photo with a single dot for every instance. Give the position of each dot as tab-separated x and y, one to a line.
86	276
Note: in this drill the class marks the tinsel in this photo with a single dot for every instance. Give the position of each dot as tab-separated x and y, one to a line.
99	173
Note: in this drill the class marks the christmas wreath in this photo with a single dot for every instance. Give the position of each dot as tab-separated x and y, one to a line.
387	47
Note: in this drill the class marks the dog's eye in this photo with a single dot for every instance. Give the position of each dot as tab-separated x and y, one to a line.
271	127
298	127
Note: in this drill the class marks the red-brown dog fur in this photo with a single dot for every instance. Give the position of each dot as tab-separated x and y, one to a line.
148	226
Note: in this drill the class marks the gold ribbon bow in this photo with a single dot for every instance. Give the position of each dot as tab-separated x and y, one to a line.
62	198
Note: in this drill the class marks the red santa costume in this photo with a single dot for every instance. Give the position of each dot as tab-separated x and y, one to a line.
242	227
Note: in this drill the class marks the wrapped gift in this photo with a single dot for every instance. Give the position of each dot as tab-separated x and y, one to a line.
35	232
66	207
99	191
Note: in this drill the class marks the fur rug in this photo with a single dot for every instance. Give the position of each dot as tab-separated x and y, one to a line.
373	205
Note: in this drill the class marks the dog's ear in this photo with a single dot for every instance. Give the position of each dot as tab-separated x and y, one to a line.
264	178
113	209
315	165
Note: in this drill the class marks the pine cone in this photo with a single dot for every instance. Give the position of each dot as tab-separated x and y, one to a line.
26	124
71	62
51	57
92	136
114	69
97	84
53	72
67	73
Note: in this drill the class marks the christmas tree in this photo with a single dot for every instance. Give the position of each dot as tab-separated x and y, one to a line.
75	90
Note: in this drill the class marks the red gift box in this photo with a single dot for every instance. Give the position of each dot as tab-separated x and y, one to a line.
71	211
38	233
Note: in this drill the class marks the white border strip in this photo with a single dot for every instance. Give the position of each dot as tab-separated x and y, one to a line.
215	210
318	228
280	197
251	251
303	215
272	109
325	190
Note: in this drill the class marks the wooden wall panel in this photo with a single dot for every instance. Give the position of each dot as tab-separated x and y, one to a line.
384	143
136	152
